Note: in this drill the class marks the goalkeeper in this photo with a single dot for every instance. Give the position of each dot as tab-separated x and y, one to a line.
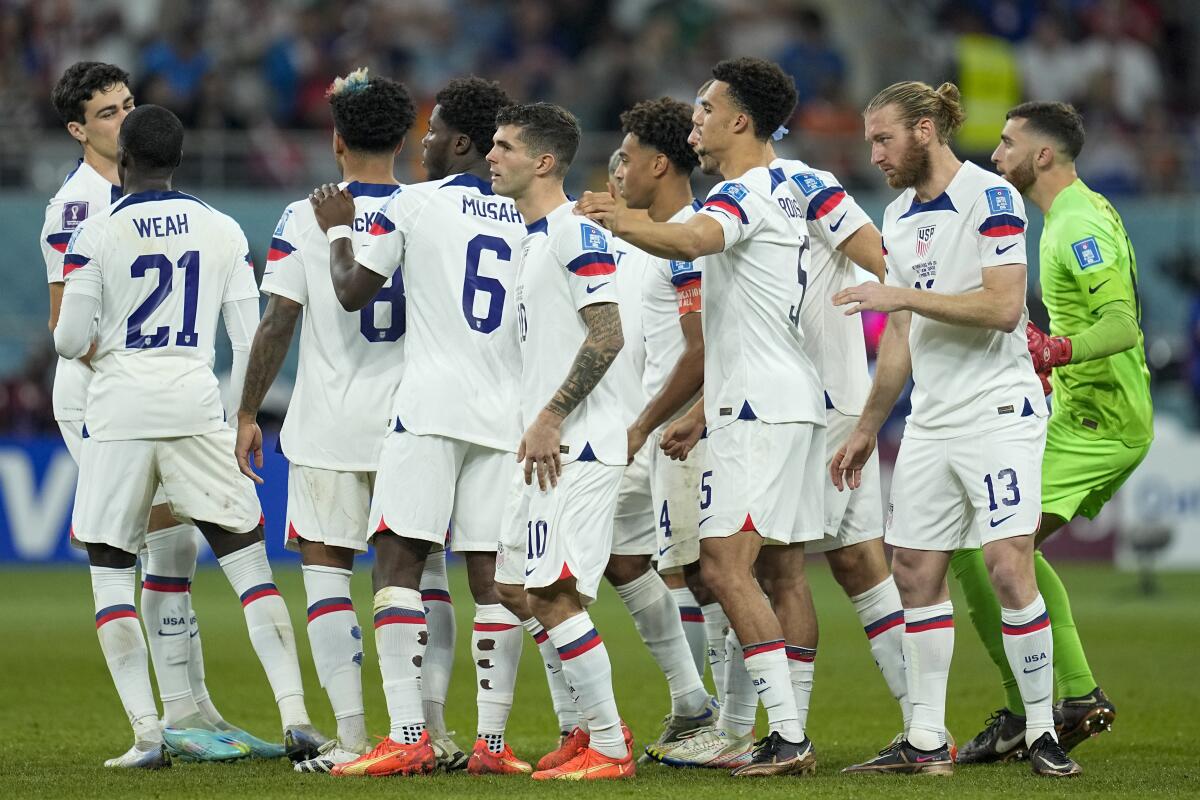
1101	423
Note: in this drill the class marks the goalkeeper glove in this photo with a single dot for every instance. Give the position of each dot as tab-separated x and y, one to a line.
1047	351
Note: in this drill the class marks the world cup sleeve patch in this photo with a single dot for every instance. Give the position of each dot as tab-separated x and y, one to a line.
1000	200
593	239
1087	252
735	190
808	182
282	222
74	213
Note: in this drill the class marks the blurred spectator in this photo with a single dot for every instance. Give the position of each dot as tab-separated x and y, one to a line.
811	58
1052	67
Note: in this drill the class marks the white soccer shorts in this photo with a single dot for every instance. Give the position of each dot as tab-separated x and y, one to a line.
199	476
425	481
851	516
633	523
328	506
563	532
948	494
764	477
675	487
72	434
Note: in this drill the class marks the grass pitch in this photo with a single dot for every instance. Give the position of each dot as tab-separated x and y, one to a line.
60	718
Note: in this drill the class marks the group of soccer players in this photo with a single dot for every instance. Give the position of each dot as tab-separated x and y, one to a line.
668	394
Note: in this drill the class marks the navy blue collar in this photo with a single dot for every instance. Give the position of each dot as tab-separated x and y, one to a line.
939	203
151	196
777	177
357	189
541	226
467	179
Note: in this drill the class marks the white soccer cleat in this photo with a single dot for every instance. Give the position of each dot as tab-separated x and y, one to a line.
710	748
328	756
143	755
450	756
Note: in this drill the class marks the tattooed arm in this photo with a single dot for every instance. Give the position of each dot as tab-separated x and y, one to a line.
271	343
540	445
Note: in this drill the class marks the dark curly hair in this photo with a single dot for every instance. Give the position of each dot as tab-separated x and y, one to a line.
761	89
373	115
153	137
663	124
469	106
77	85
545	128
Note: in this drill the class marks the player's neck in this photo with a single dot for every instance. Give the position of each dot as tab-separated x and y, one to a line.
136	184
745	156
674	194
368	170
1050	185
540	199
943	166
475	166
107	169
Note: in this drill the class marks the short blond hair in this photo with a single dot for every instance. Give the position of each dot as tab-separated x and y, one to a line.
916	100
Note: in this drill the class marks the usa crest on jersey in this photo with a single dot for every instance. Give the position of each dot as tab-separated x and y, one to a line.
924	240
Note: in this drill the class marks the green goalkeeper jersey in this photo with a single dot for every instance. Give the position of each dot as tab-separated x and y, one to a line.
1087	261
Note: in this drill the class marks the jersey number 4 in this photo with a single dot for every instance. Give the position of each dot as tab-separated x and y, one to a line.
189	262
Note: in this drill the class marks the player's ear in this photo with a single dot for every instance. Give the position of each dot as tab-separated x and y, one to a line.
339	144
741	122
545	164
661	164
77	132
399	147
462	144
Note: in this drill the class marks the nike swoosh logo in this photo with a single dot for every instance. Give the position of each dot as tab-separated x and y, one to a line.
1002	520
1004	745
1094	289
833	228
161	632
923	759
663	550
591	289
1028	671
529	572
1002	250
706	519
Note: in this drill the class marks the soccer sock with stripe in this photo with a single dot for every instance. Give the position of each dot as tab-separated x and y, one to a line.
439	652
1072	674
496	649
882	617
400	637
270	628
928	648
801	666
694	630
971	571
560	695
741	701
586	667
1030	647
657	619
336	641
767	664
716	628
124	648
169	562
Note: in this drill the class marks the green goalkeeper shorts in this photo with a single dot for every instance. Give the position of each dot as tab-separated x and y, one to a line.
1080	474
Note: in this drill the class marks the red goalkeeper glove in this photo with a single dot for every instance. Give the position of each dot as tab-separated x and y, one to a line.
1047	351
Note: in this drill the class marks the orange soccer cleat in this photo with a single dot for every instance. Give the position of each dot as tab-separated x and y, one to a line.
569	746
484	762
391	758
590	765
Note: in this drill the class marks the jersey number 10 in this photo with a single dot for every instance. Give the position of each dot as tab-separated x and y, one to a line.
189	262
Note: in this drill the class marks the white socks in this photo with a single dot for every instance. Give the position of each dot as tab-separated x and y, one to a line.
588	672
716	628
741	701
767	664
657	619
801	666
400	638
882	617
336	642
1029	645
496	650
270	628
928	648
694	629
439	651
166	580
560	695
124	648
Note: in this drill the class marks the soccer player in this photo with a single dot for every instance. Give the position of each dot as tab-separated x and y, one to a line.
349	368
453	420
93	99
558	530
969	466
762	400
1101	423
152	273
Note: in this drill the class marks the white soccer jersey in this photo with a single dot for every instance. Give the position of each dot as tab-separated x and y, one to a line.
835	342
670	289
84	193
626	371
965	379
566	265
350	362
161	263
458	245
755	364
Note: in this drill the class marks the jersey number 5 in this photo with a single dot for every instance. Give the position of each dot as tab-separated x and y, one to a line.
189	262
802	279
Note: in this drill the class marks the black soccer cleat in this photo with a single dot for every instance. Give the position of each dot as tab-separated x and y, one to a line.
775	755
1049	759
901	758
1001	741
1077	719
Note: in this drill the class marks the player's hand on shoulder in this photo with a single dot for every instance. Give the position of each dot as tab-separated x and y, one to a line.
600	207
539	450
249	443
845	470
332	206
681	436
870	296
